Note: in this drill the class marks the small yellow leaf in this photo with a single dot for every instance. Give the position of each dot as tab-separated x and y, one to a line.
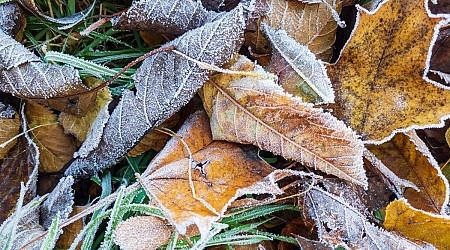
415	224
409	158
9	127
55	147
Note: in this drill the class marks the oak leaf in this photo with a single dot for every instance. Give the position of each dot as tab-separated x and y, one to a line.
9	127
409	158
380	78
312	25
416	224
256	111
24	75
55	147
164	82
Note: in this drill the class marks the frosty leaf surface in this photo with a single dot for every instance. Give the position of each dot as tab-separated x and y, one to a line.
303	62
409	158
380	82
24	75
60	200
339	223
10	18
165	82
257	111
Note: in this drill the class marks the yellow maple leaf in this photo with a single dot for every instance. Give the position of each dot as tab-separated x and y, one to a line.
380	78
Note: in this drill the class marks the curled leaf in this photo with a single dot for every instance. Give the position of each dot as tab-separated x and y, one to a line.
256	111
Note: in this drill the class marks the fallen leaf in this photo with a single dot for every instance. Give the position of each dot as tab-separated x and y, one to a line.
156	99
9	127
60	200
294	59
441	51
155	139
10	21
312	25
142	233
256	111
24	75
415	224
409	158
55	147
71	231
380	78
307	244
80	126
341	224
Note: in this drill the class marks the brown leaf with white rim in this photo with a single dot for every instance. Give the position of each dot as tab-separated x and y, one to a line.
252	110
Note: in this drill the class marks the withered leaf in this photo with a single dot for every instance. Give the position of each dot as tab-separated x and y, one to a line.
9	127
24	75
312	25
341	224
60	200
165	82
298	59
380	79
56	148
256	111
416	224
409	158
10	21
165	16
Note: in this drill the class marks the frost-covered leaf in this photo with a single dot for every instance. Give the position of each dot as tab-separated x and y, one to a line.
24	75
68	22
9	127
59	201
312	25
409	158
307	244
416	224
56	148
302	61
165	82
341	224
10	21
380	79
142	233
256	111
165	16
80	126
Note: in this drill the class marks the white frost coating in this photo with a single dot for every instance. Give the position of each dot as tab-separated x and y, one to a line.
303	61
334	13
12	53
443	76
347	226
59	200
442	23
422	148
95	134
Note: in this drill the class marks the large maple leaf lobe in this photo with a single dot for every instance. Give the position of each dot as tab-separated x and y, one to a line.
380	80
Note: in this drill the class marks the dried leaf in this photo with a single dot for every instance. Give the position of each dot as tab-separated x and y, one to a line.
165	16
195	132
24	75
415	224
341	224
409	158
9	127
71	231
142	233
307	244
155	139
380	81
312	25
80	126
10	21
60	200
298	58
156	99
256	111
56	148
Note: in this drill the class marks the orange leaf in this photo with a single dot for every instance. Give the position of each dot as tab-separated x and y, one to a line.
415	224
379	78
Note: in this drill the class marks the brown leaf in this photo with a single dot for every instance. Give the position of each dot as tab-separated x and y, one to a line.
71	231
409	158
9	127
80	126
55	147
142	233
309	24
415	224
379	83
24	75
256	111
155	139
